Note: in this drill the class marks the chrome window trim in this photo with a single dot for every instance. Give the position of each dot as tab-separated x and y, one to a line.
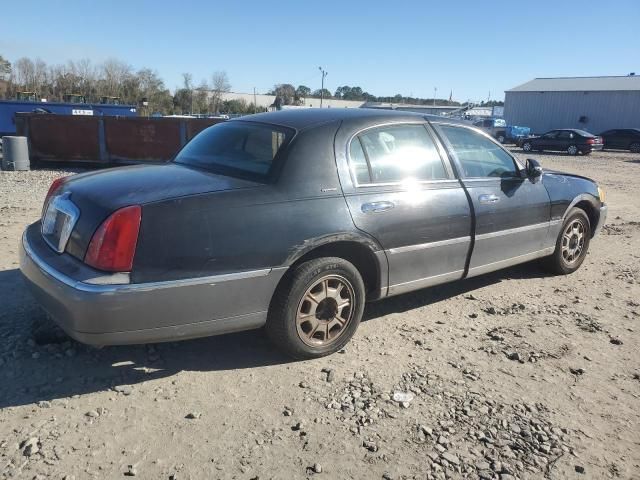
423	246
134	287
421	122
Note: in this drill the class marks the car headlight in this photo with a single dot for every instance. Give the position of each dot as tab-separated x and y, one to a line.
601	194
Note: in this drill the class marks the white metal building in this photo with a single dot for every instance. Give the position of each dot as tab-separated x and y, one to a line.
594	104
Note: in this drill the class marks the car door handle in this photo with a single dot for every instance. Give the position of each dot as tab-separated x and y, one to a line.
377	207
488	198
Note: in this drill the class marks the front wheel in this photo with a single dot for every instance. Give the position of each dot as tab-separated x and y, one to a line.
572	244
501	138
317	308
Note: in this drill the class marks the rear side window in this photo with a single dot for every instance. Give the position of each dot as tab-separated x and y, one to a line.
565	135
394	154
236	149
479	156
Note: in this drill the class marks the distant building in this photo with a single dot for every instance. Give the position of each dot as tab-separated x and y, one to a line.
594	104
266	101
406	107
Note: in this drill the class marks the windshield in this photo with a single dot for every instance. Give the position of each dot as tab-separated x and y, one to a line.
236	149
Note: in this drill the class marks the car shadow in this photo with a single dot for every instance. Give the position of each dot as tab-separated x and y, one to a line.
38	362
635	160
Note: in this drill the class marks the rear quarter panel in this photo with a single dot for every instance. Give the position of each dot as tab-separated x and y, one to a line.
263	227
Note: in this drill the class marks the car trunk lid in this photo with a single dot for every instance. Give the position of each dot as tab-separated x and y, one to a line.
96	195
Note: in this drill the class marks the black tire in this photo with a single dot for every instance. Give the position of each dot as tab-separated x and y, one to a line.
527	146
573	150
558	263
634	147
501	138
283	327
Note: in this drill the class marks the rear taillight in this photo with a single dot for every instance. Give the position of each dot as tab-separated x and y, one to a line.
113	246
591	141
55	186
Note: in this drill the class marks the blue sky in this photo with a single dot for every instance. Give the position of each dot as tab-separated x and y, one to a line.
407	47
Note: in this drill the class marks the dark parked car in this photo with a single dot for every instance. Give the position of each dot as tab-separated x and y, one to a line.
572	141
622	139
292	220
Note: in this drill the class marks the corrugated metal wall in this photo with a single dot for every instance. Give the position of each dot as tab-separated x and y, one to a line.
106	140
543	111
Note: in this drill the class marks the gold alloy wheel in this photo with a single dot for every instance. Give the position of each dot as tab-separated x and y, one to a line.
573	241
325	311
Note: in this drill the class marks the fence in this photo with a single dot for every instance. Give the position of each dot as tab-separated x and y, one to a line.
106	140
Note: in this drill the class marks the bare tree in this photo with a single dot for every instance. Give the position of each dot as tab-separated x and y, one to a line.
5	68
219	86
114	73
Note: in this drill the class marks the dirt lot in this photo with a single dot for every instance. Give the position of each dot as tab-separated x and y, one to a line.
512	375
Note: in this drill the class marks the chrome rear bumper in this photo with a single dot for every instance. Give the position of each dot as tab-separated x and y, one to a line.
102	314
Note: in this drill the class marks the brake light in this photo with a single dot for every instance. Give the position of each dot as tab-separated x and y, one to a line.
591	141
55	186
113	246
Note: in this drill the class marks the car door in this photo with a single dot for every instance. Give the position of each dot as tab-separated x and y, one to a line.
564	139
512	212
612	138
401	190
546	141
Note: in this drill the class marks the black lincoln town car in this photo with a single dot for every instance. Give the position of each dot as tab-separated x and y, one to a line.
292	220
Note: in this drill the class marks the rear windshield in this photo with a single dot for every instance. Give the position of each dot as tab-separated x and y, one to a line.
236	148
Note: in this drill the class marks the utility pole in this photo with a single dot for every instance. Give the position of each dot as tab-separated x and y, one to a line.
435	93
324	74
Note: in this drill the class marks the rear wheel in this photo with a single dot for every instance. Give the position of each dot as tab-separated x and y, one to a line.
501	138
527	147
635	147
572	244
317	308
572	150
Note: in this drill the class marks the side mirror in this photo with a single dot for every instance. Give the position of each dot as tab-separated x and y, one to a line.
533	168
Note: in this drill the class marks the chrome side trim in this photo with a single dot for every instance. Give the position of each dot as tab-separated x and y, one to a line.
511	231
422	246
118	288
424	282
491	267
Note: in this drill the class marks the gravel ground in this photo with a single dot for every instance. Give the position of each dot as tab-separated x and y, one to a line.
515	374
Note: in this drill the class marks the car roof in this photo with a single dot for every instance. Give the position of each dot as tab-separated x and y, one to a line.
301	118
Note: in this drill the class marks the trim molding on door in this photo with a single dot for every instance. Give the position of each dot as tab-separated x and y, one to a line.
492	267
511	231
424	282
422	246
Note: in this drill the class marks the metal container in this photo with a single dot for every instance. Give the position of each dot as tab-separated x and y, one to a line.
15	153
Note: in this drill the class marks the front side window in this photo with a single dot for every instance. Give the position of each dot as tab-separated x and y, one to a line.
236	149
550	135
479	156
395	154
